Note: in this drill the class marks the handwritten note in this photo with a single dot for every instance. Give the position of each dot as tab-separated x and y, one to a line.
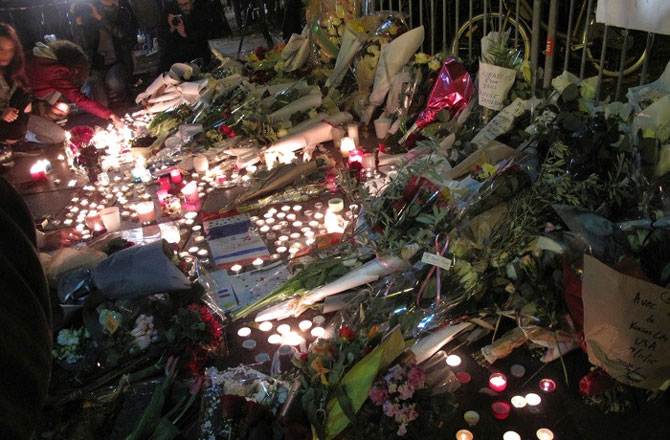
626	325
495	83
501	123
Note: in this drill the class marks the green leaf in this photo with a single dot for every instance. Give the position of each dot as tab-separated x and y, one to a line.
345	403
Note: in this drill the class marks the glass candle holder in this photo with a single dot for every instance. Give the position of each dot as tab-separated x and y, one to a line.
145	212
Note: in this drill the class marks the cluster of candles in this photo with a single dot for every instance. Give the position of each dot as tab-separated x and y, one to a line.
500	409
284	334
291	229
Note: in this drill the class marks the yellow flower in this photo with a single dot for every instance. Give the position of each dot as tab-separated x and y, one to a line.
357	27
489	169
320	370
421	58
434	64
253	57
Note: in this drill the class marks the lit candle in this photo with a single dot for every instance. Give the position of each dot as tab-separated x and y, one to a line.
346	146
547	385
38	172
175	175
453	360
162	194
305	325
236	268
283	329
511	435
265	326
285	208
464	434
93	219
291	217
500	410
145	212
243	332
281	215
275	339
317	332
170	233
292	339
265	229
544	434
518	401
533	399
297	208
193	250
497	382
258	262
190	192
368	161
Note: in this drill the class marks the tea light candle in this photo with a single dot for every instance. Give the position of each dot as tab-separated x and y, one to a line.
265	326
258	262
318	216
265	229
500	410
283	329
305	325
270	221
293	339
260	222
544	434
313	224
291	217
511	435
297	224
309	213
249	344
193	250
272	211
285	208
319	319
281	249
243	332
281	215
335	205
547	385
533	399
38	171
356	156
471	417
317	332
275	339
497	382
203	253
125	214
277	227
236	268
518	401
267	215
297	208
464	434
453	360
282	238
295	235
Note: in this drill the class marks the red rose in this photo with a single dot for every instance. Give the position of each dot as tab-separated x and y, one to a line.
233	406
255	413
346	333
596	383
260	51
304	356
195	360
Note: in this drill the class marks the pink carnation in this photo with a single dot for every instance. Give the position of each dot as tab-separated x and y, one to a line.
406	391
389	409
416	377
378	395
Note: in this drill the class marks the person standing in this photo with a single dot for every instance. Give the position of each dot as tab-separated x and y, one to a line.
183	33
105	31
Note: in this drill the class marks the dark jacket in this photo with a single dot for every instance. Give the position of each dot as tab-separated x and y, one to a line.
119	21
177	49
25	340
46	76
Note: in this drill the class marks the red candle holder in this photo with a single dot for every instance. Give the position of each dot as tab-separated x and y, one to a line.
175	175
498	382
547	385
356	155
38	172
500	410
165	183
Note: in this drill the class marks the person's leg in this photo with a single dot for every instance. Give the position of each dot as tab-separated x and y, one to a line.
45	131
11	132
95	88
116	80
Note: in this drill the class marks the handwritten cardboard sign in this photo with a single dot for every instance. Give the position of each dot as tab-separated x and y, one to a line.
495	83
501	123
626	325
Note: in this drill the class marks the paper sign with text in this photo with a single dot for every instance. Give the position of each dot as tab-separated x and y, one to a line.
495	83
626	325
643	15
436	260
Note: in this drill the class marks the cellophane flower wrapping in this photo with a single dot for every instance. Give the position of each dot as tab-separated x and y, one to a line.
240	381
328	19
453	90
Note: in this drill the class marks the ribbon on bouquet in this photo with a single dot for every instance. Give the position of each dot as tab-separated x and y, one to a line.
432	270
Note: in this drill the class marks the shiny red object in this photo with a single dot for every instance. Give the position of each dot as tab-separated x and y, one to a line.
453	90
500	410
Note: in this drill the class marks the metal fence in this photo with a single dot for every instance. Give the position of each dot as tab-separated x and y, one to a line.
557	35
